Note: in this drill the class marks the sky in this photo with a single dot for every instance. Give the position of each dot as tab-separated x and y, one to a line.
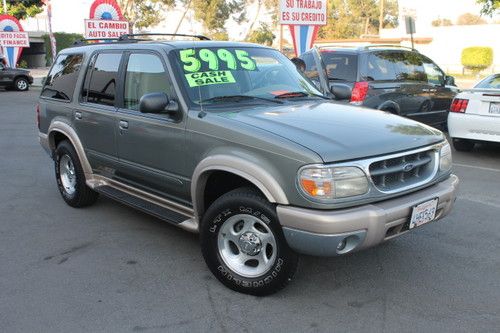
68	15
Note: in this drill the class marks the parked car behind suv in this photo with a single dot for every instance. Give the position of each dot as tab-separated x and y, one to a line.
394	79
19	79
231	141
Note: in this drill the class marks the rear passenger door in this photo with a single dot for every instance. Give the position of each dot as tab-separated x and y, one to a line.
95	118
151	147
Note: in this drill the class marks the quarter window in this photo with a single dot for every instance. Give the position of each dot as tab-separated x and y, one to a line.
101	79
145	74
61	81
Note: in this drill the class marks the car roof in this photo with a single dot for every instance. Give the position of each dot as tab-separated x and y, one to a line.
155	45
356	49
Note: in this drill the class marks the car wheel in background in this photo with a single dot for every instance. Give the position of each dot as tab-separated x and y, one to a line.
463	144
70	177
244	246
21	84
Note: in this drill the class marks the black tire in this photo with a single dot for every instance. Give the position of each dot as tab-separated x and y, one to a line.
463	144
21	84
248	202
82	195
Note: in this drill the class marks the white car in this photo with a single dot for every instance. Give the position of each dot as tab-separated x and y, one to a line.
475	114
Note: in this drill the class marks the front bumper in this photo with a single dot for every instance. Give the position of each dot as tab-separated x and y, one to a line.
318	233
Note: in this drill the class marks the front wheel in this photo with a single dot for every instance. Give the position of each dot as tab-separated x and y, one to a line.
244	246
21	84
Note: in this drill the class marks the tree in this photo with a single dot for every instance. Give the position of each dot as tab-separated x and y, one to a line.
214	14
352	18
442	22
488	7
270	5
262	35
470	19
144	13
22	9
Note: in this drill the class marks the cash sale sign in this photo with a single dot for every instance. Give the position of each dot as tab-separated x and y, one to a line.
303	12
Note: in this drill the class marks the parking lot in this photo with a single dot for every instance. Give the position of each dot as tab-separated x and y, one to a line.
111	268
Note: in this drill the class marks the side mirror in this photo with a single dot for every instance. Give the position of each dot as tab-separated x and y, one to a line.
341	91
449	80
157	103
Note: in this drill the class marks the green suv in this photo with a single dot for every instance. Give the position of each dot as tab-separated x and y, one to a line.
231	141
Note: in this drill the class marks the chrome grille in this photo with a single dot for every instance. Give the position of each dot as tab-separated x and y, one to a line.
404	171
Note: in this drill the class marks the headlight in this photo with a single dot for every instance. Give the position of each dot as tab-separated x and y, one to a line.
332	183
445	159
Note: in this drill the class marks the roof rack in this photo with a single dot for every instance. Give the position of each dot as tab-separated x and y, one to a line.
391	46
85	41
128	37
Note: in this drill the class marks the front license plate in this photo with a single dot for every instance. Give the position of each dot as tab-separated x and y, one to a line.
423	213
495	108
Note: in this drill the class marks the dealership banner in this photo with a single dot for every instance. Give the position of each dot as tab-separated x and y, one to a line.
12	39
105	21
303	17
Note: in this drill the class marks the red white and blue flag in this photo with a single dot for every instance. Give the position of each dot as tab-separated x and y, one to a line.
105	10
11	24
303	37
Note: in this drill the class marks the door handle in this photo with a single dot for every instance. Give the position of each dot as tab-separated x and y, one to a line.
78	115
123	124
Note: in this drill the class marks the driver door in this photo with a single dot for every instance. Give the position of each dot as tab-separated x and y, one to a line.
151	147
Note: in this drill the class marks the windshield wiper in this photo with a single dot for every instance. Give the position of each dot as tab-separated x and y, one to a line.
293	94
238	98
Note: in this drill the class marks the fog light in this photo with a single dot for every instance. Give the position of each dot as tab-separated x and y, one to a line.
342	244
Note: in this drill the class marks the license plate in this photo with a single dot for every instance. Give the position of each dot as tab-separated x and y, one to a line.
495	108
423	213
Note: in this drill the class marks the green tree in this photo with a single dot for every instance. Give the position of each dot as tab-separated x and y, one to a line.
213	14
470	19
489	7
144	13
442	22
353	18
262	35
22	9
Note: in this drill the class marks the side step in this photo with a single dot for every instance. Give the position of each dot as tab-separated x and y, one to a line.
143	205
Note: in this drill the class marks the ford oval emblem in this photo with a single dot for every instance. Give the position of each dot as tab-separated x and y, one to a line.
408	167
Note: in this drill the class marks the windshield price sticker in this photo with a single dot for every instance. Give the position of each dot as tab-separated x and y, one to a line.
193	60
212	77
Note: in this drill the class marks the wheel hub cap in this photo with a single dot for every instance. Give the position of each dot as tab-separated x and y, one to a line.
250	243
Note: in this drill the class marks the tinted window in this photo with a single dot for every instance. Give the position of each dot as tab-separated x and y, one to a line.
340	66
434	74
61	81
492	82
409	66
380	66
401	66
101	79
145	74
311	68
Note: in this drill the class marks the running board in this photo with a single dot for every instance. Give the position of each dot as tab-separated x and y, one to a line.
151	208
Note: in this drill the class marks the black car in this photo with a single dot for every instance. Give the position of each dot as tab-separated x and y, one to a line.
18	79
389	78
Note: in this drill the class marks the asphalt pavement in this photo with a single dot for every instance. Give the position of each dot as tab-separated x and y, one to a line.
109	268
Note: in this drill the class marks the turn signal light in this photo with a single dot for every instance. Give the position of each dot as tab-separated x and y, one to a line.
359	92
459	105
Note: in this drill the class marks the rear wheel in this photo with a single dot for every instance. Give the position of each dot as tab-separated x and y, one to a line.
463	144
244	246
21	84
70	177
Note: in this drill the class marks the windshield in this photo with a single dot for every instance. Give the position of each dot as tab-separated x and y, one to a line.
218	75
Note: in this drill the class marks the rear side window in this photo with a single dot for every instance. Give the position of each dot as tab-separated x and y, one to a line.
395	66
61	81
101	79
340	66
492	82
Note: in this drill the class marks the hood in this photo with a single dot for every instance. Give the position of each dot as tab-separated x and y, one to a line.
339	132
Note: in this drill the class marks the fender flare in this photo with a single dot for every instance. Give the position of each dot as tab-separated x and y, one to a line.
250	171
59	126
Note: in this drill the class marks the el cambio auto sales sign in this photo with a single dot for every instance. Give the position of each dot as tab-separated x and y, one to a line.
303	12
106	21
